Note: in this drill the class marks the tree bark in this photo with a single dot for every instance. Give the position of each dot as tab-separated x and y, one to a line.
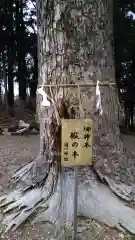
34	82
10	60
21	74
75	46
5	83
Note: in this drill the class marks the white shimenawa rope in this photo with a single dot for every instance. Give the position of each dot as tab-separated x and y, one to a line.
46	103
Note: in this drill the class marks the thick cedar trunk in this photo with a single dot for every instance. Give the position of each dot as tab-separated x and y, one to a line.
75	45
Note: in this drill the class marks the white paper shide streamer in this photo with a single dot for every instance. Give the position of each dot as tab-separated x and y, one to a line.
98	99
45	102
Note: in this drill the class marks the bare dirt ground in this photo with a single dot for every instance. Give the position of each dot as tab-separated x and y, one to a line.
16	151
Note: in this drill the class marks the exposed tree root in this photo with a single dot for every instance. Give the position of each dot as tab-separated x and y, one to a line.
95	200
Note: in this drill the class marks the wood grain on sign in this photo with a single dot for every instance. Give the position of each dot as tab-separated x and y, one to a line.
76	142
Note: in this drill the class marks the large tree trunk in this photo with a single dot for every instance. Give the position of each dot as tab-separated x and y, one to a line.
75	46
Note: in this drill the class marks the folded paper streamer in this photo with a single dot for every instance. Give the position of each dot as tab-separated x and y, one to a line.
45	102
98	99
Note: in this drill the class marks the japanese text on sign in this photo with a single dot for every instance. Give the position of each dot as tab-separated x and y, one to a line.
76	149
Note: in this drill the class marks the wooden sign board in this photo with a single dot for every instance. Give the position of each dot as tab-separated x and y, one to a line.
76	142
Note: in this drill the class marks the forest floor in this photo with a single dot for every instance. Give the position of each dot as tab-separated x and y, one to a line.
15	151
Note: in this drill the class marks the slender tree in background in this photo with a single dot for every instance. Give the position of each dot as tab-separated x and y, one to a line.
25	16
3	51
33	82
21	36
7	50
4	38
10	53
4	78
18	39
124	28
75	45
0	91
33	73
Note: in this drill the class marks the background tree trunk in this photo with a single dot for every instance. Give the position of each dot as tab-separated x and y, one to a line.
34	82
10	54
75	45
21	73
0	93
5	83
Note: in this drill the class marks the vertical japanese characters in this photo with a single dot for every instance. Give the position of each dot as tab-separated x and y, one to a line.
76	142
66	151
74	136
87	135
